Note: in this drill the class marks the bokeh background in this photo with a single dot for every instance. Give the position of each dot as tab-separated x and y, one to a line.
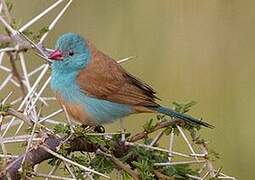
201	50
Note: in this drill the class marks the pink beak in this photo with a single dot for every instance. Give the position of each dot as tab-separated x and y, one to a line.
56	55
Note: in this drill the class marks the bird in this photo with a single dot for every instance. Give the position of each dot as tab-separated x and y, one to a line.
95	89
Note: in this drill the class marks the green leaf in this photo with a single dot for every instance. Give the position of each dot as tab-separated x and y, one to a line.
145	169
62	129
102	164
213	155
183	107
96	140
149	125
81	159
126	176
179	171
9	6
4	108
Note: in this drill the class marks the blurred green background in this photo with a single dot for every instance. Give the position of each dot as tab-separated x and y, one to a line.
201	50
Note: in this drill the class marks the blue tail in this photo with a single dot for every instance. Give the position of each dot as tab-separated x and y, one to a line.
181	116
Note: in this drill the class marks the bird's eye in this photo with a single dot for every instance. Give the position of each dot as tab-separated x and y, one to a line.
70	53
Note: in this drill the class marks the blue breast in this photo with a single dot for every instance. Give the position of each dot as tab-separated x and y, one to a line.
101	111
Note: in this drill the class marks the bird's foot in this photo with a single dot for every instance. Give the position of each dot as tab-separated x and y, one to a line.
99	129
85	126
95	128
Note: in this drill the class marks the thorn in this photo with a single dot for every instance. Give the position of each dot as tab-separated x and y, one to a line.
126	59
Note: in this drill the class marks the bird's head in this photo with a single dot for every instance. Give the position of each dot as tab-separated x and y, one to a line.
71	54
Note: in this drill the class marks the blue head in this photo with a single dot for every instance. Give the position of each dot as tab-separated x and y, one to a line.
71	54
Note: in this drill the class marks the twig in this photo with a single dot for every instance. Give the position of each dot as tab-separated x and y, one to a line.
45	69
193	177
5	69
120	164
54	169
72	162
156	139
226	176
15	83
50	176
36	70
180	162
7	79
205	176
30	139
199	155
24	69
1	57
50	115
16	73
20	116
170	146
54	22
4	151
126	59
18	139
69	169
162	176
68	119
158	126
8	156
187	141
8	49
208	163
36	18
155	148
1	119
7	25
6	11
39	94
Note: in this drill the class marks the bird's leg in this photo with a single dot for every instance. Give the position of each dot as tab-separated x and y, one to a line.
123	136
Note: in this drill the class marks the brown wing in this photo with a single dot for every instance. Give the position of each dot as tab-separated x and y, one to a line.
105	79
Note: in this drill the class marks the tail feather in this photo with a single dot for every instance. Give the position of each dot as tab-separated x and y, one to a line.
181	116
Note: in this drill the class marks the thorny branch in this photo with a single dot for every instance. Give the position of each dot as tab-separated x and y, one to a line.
37	154
15	72
12	55
158	126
